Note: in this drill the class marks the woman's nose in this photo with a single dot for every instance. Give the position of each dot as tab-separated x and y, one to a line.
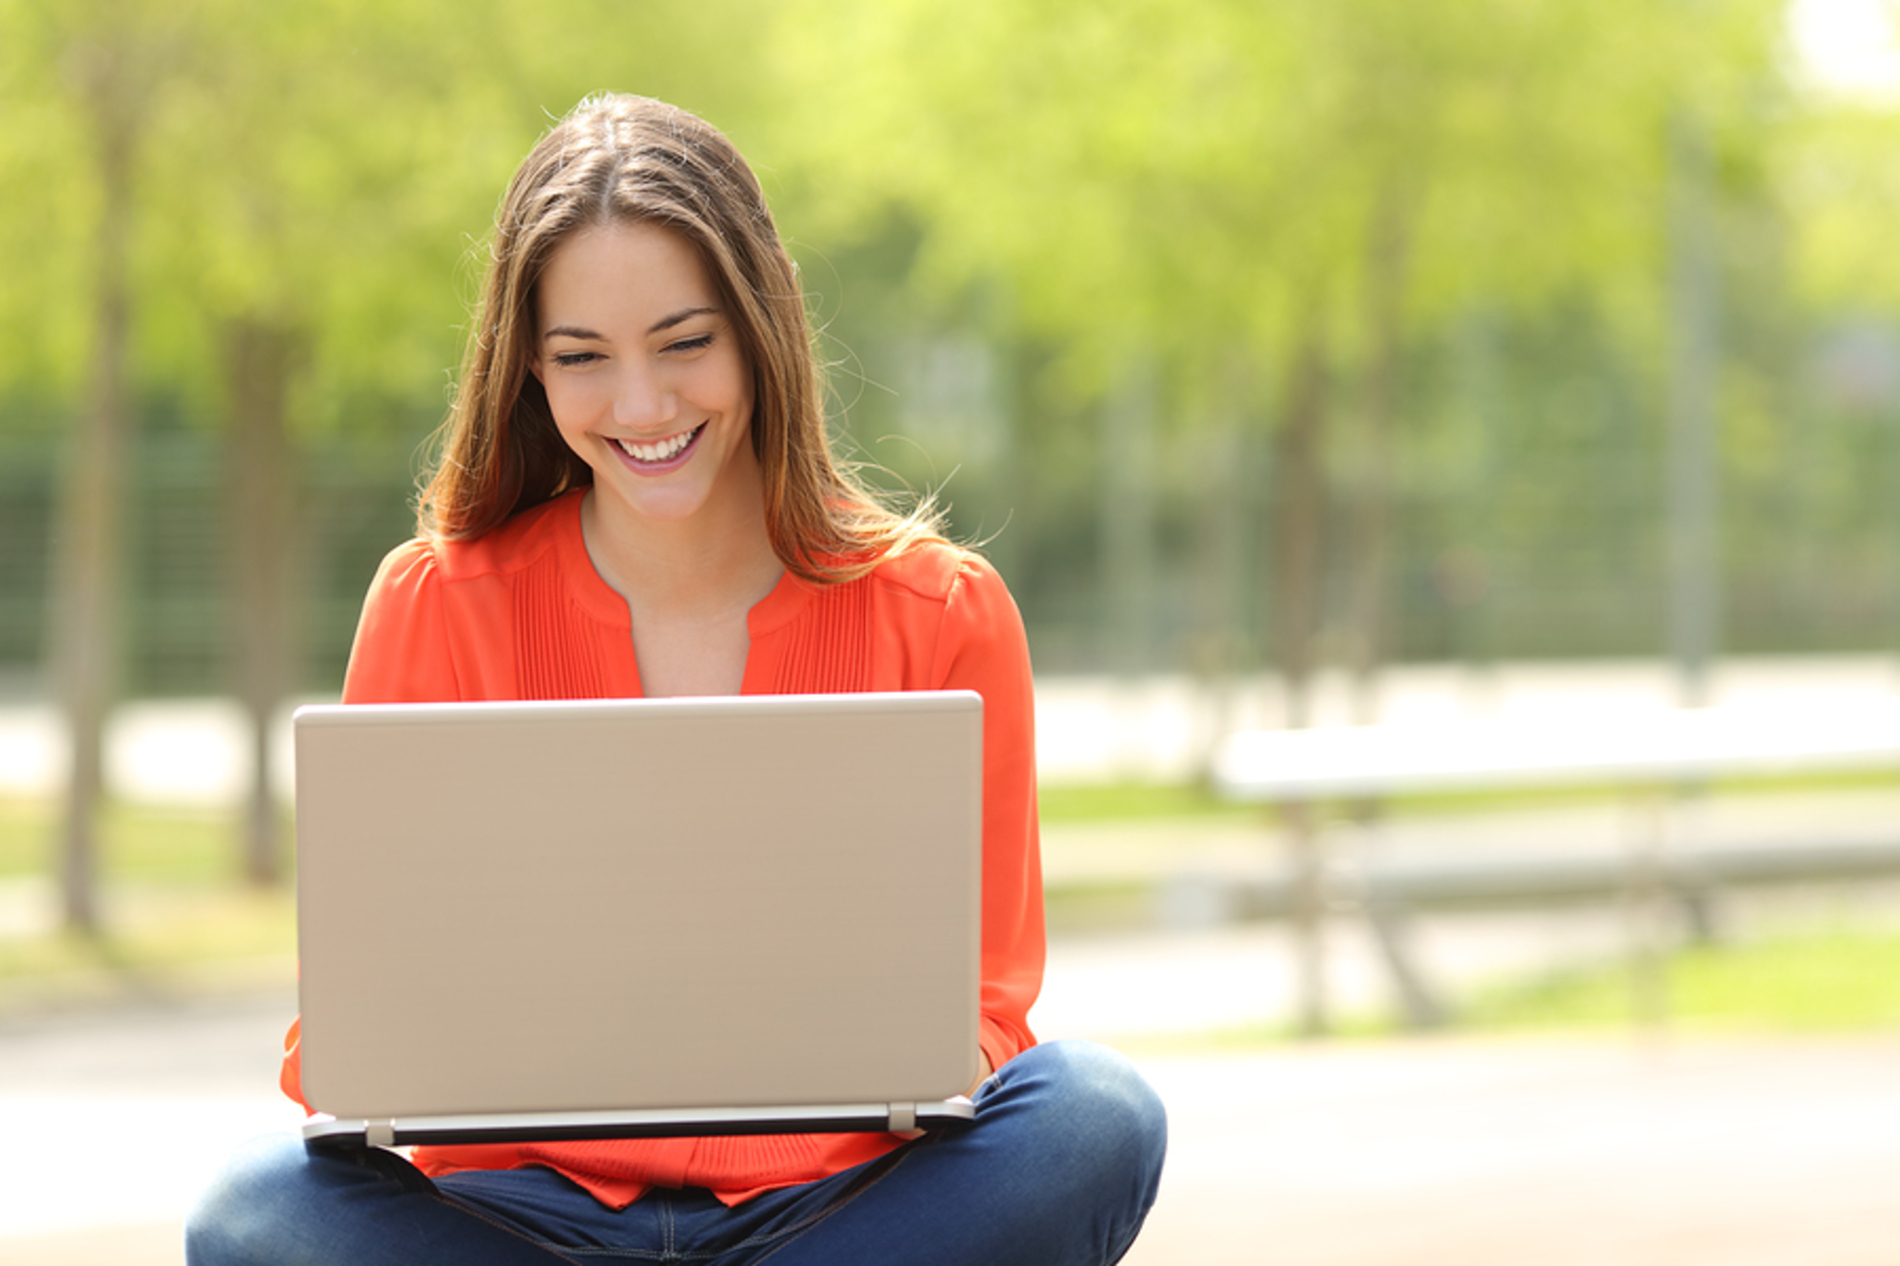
641	399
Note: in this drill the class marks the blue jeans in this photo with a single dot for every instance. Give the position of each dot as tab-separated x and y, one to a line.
1059	1169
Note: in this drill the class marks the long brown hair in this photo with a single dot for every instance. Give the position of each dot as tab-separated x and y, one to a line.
633	159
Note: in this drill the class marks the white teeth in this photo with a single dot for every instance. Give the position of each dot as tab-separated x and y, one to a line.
659	452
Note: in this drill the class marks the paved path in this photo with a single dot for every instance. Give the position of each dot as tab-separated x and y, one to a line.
1466	1153
1412	1153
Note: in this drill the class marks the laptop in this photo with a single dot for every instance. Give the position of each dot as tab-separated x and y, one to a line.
638	918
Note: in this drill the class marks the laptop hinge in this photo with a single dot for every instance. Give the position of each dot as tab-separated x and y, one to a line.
379	1133
903	1116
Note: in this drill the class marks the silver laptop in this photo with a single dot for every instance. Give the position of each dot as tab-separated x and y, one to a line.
637	918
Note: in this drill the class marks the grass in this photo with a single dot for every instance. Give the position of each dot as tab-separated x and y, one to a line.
1797	981
176	916
1818	979
138	843
175	940
1446	803
157	942
1133	800
1136	800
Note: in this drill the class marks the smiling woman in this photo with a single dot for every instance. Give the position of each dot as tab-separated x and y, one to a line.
638	496
648	386
644	377
615	167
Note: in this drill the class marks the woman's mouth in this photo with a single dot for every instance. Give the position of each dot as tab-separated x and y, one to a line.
661	452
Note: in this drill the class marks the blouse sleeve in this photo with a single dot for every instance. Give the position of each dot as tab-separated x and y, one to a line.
982	647
401	653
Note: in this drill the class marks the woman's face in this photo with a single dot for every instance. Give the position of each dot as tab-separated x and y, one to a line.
645	375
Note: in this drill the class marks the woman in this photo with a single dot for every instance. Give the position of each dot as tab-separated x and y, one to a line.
637	497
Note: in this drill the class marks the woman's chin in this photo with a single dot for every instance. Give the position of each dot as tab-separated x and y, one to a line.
664	505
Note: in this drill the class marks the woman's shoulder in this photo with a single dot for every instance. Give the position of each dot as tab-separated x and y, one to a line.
935	570
947	587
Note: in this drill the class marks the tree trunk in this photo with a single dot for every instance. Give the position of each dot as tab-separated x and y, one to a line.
1368	607
1694	572
1128	517
1466	574
1298	521
1225	577
259	360
87	603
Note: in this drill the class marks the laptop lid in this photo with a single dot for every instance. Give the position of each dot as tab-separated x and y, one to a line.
626	917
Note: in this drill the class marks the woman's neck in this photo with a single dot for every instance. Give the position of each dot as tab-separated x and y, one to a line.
705	567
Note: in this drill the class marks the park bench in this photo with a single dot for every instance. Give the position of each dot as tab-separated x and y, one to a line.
1655	757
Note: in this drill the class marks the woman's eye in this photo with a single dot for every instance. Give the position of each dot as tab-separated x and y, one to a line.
568	360
694	344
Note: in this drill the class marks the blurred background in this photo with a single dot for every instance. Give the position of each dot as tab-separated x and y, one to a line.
1296	363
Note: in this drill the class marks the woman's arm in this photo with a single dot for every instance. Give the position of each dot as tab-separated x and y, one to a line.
982	647
401	655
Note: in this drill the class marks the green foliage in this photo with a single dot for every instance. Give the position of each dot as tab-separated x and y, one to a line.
325	168
1837	178
1039	204
1131	174
1831	978
1148	178
48	205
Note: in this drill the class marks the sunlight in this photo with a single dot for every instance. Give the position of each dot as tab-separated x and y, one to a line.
1847	47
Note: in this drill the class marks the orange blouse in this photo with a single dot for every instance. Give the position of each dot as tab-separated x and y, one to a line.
521	614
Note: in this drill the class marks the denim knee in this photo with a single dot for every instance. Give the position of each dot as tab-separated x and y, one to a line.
1114	1093
278	1202
1093	1103
1075	1143
230	1223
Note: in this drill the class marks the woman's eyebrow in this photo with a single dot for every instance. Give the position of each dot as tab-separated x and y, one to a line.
684	314
664	323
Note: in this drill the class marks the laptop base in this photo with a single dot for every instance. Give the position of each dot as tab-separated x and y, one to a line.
660	1123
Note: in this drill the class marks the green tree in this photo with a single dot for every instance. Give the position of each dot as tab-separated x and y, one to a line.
1309	189
81	79
281	205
